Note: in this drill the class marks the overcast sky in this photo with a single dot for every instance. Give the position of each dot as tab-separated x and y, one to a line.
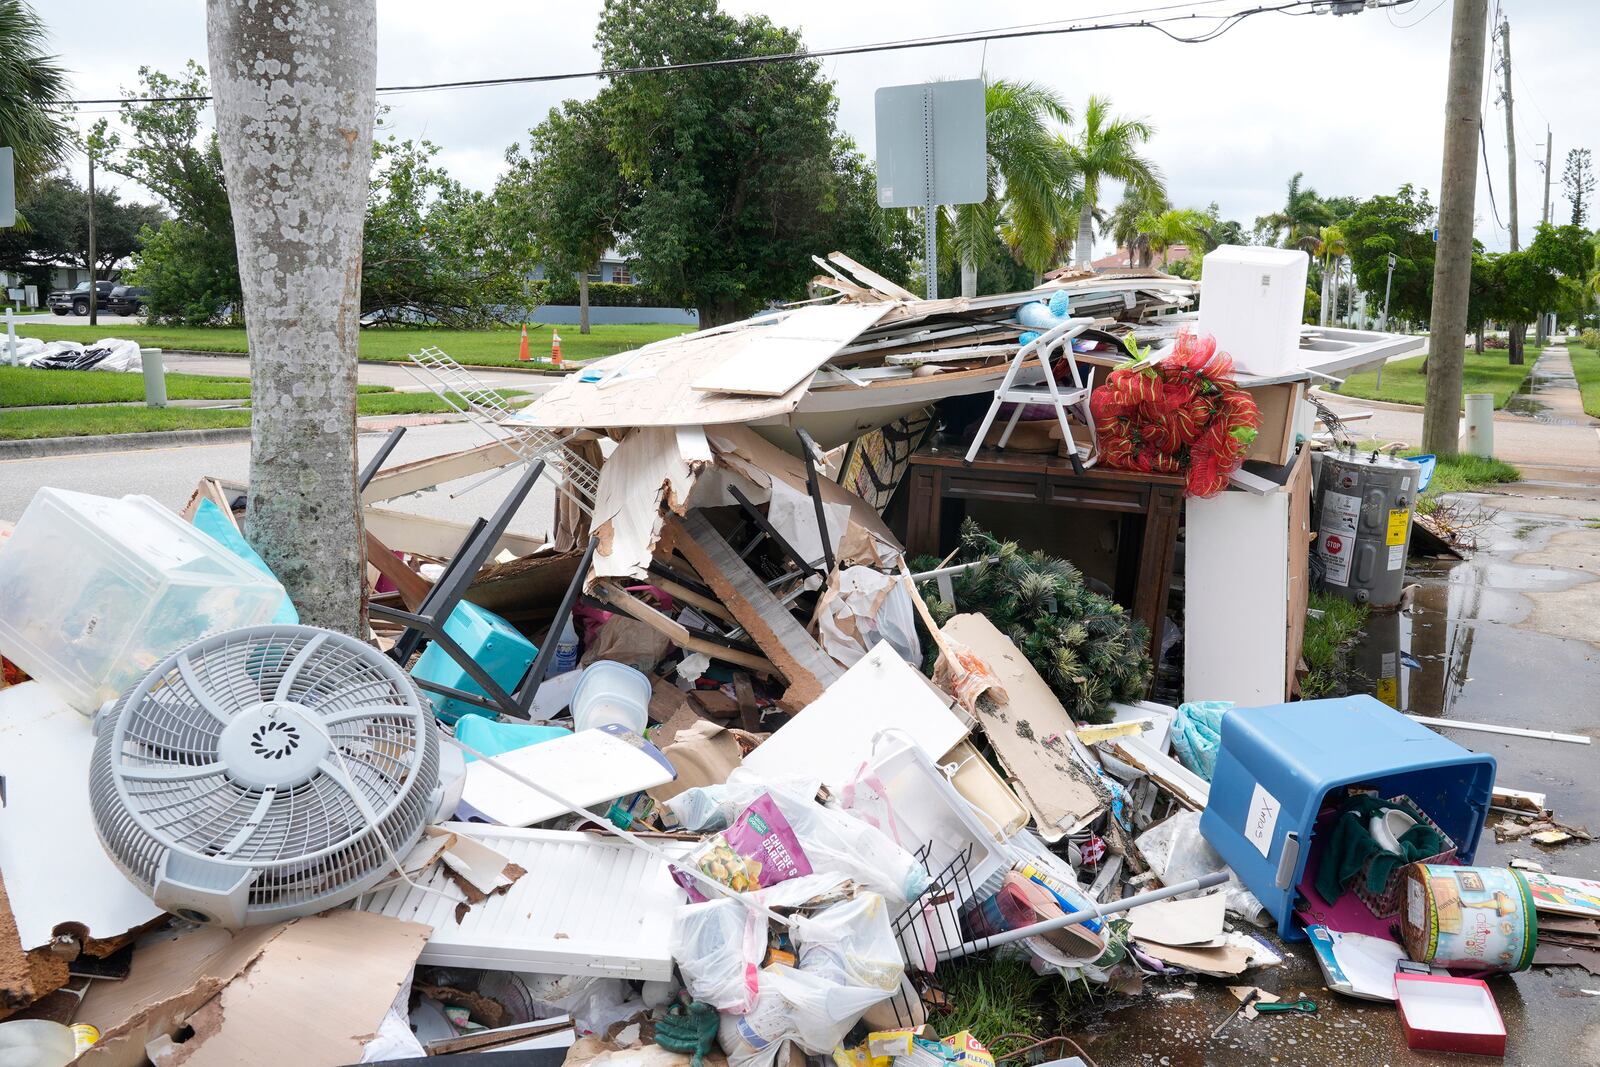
1355	102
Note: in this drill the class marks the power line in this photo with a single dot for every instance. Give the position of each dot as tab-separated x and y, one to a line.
1225	22
1487	178
1415	22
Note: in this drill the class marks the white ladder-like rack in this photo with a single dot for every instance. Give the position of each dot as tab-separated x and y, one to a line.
485	408
1054	342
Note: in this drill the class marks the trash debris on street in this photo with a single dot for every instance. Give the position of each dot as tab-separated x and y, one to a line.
734	769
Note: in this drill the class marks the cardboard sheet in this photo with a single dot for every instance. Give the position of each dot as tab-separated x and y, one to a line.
1196	921
308	991
55	869
1029	733
1237	954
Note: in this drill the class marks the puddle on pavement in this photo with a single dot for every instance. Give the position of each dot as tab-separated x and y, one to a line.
1457	652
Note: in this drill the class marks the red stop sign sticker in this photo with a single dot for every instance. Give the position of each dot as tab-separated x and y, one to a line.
1333	543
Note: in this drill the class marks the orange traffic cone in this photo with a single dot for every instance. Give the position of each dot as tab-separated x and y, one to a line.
555	348
522	354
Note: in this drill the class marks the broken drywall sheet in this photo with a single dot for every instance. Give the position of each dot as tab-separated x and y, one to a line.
308	991
653	386
55	870
651	467
1031	733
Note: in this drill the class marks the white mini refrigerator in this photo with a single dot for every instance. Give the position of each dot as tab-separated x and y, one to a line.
1252	300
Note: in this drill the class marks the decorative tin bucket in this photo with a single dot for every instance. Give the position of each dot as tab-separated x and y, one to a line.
1473	918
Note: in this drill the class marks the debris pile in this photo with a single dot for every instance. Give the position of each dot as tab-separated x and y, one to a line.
719	773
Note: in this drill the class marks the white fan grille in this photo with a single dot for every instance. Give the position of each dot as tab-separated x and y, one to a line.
165	779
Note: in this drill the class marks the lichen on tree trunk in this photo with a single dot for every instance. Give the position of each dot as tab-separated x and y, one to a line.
294	82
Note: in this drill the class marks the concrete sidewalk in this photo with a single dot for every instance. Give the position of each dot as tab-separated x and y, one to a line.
1545	427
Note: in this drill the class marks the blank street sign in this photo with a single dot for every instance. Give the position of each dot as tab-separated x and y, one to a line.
8	189
958	156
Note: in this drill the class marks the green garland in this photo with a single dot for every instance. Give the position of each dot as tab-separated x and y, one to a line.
1084	646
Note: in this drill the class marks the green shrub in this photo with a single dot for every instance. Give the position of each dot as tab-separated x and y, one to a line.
563	292
1590	339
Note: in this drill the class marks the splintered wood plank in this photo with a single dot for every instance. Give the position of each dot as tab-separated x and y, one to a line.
792	651
774	359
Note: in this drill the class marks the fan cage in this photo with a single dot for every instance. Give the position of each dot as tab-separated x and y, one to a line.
157	786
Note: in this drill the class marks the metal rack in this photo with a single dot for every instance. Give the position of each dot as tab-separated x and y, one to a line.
928	926
485	408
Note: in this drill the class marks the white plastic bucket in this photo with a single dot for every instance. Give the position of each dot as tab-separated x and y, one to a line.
611	692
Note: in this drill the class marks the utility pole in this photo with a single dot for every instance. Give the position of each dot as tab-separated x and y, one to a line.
94	292
1542	333
1511	132
1547	147
1452	266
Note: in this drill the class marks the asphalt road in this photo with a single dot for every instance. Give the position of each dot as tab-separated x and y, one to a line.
169	475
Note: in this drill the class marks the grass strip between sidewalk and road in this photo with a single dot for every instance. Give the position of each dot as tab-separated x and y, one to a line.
97	419
1332	625
1462	473
1586	368
1405	382
478	348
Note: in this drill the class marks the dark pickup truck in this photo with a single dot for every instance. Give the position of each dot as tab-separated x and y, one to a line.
77	300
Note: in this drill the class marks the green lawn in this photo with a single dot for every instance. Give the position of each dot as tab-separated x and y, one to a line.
25	387
483	348
88	422
1405	383
108	419
1332	625
1586	368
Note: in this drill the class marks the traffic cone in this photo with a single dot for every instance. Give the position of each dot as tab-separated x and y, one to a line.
522	354
555	348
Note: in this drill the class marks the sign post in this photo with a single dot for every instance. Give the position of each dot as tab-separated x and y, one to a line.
932	150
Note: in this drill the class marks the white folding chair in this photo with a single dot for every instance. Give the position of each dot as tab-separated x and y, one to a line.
1057	341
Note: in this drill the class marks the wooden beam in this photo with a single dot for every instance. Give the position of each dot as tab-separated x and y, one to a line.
436	470
412	586
872	277
675	631
794	652
434	537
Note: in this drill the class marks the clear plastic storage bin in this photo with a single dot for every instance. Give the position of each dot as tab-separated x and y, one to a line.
95	591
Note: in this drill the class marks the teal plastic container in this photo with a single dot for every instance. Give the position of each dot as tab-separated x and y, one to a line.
493	643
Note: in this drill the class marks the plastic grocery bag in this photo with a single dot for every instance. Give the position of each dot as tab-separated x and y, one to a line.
718	947
852	943
793	1006
1177	852
759	849
1196	733
861	607
832	840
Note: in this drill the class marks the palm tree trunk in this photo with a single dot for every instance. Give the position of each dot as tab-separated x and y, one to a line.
1085	235
969	275
1322	307
295	102
583	301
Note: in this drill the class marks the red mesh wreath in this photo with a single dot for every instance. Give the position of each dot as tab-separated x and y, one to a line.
1181	414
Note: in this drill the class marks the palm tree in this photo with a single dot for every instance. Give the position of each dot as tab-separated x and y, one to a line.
1182	226
1329	247
1123	225
33	94
1030	181
1106	147
1220	231
1303	213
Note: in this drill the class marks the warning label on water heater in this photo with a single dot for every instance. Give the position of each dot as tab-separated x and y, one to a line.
1336	540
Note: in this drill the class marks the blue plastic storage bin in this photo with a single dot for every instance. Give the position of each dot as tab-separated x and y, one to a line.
1276	764
494	644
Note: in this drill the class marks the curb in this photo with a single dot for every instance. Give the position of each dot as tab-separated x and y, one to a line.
540	372
43	447
1382	405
